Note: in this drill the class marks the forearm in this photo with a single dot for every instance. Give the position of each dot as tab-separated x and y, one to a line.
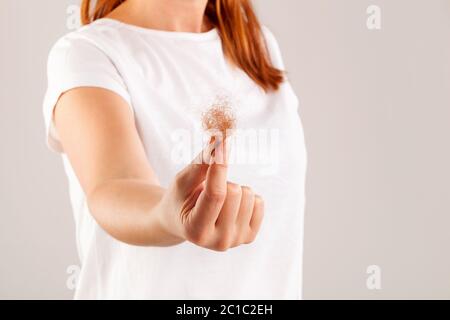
130	211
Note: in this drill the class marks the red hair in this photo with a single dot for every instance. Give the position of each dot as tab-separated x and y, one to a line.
238	27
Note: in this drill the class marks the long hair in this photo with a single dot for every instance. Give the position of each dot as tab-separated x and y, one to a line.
239	30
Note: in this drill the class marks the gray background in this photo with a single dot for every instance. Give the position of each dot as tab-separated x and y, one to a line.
376	111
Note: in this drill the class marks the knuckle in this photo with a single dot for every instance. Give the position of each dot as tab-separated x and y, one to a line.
247	191
216	195
241	239
248	194
251	237
223	244
198	236
259	201
236	243
221	248
234	189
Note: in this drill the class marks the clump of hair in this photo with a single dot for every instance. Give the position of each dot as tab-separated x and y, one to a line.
219	118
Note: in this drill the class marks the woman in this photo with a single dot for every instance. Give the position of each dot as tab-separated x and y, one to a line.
126	93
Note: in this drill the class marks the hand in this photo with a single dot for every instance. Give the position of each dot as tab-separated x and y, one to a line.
202	207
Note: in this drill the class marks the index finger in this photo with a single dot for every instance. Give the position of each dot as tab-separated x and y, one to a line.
212	198
216	176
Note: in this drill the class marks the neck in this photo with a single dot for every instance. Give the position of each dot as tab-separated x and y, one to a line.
168	15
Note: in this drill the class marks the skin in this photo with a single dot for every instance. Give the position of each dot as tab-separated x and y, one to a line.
97	131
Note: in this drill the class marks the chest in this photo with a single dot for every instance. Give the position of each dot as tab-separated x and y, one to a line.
172	88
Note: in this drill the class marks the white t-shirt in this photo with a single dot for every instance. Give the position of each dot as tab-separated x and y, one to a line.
169	79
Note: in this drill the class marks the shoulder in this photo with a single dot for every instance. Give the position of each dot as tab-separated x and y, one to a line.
268	35
82	59
272	47
88	43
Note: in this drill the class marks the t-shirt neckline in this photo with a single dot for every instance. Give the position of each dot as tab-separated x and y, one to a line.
200	36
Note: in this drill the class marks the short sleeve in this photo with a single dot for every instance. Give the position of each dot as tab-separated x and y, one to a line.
74	63
278	62
273	48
